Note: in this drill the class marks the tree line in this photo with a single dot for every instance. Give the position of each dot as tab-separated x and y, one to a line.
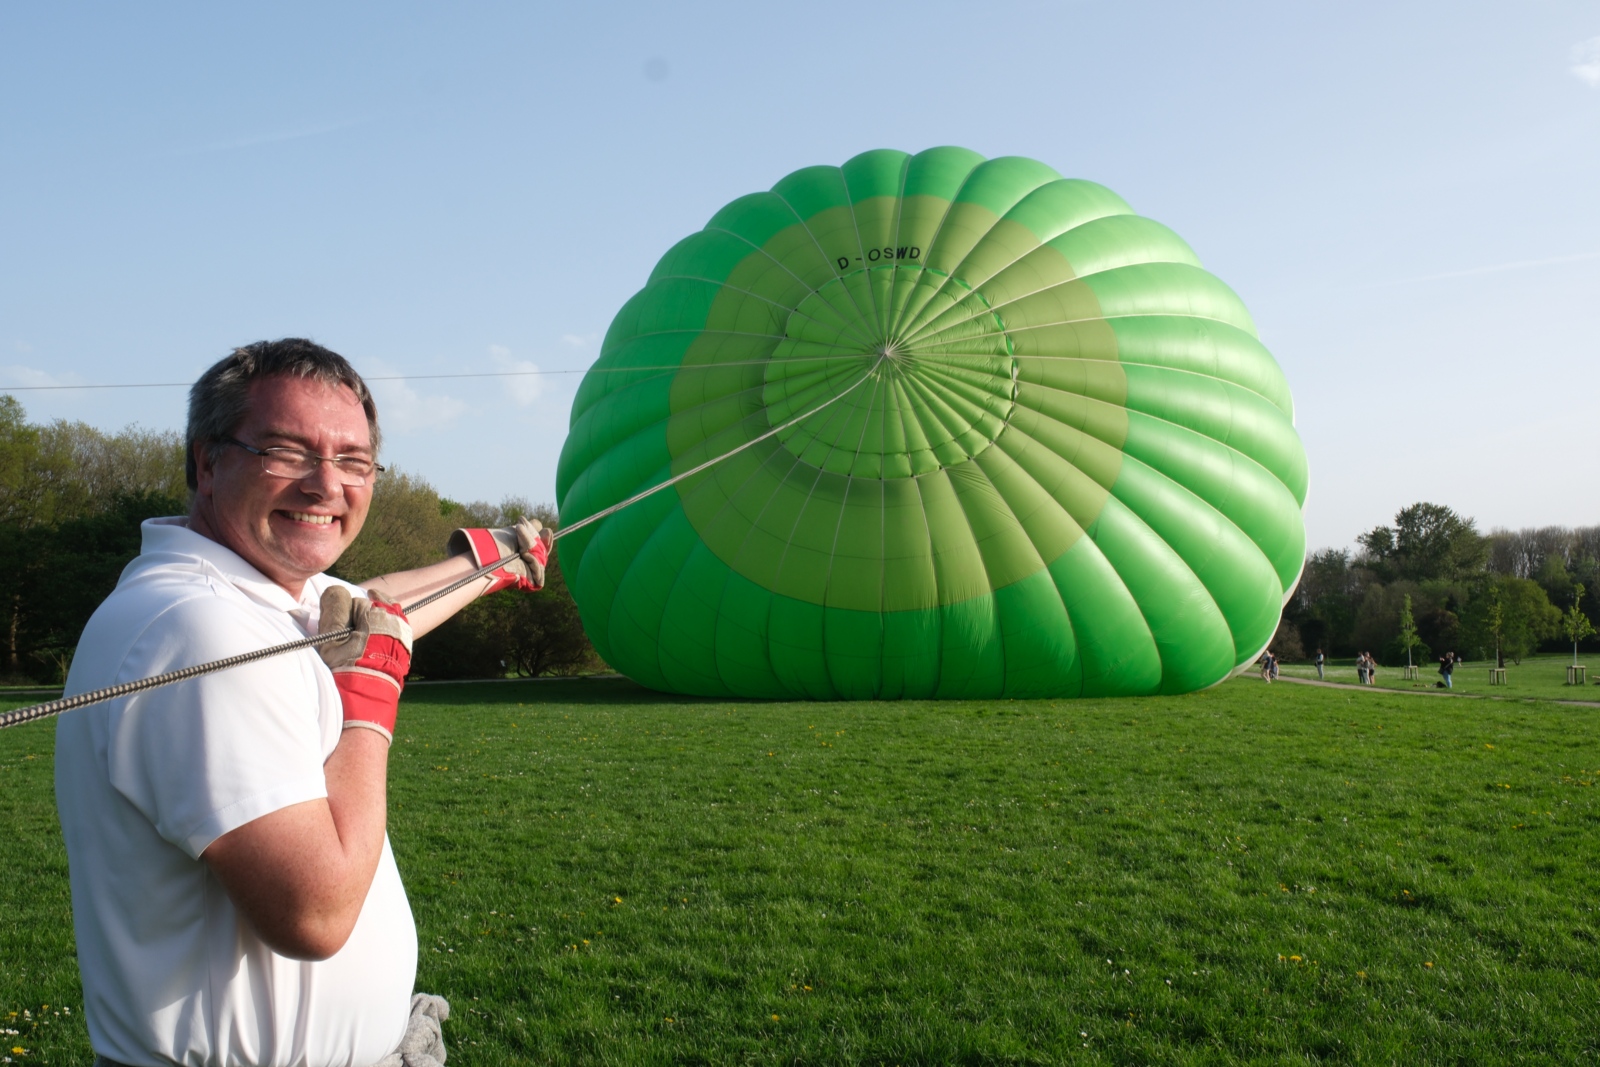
1432	582
72	498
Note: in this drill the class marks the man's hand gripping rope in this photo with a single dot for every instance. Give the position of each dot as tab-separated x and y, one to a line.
370	661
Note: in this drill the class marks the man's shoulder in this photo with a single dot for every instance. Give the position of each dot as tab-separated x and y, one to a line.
169	617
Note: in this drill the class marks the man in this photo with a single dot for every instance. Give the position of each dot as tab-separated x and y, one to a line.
234	895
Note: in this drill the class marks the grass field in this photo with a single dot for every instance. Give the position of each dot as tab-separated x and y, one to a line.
1542	676
1254	874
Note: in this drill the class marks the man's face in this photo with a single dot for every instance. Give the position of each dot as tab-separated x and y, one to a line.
288	529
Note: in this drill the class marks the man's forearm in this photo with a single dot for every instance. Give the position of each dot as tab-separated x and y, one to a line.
407	586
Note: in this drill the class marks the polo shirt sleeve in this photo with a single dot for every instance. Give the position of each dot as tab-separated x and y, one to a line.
206	756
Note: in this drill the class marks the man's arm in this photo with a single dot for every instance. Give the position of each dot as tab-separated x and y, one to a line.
300	875
403	587
526	546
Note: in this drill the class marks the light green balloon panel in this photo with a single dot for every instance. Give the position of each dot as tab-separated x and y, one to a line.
1036	450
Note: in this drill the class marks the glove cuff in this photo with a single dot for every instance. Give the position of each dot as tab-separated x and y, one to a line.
484	547
371	699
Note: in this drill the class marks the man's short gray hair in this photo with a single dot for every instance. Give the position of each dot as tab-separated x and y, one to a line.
220	400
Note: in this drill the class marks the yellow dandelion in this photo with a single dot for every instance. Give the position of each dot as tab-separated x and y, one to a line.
775	1018
1294	959
1361	974
1429	964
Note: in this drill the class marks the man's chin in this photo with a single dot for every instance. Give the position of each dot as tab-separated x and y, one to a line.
296	563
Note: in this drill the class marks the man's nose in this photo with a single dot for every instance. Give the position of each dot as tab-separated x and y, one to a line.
324	482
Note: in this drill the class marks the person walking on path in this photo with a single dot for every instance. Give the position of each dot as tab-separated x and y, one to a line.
1269	666
1447	666
1361	668
1319	661
236	902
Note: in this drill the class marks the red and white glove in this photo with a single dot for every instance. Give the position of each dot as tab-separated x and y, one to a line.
528	540
370	665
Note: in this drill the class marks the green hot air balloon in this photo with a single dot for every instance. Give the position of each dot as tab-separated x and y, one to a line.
1003	437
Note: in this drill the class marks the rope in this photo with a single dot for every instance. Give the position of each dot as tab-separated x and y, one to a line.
122	689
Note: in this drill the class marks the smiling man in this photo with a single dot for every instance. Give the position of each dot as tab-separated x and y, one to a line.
234	895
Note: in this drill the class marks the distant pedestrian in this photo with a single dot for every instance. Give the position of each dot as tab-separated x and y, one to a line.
1319	661
1269	666
1372	669
1361	667
1447	667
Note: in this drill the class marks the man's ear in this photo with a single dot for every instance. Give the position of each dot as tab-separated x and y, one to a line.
204	468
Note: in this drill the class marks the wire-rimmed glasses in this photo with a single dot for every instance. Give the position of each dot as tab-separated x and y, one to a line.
297	463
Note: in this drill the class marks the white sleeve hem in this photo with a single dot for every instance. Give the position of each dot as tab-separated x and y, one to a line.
293	791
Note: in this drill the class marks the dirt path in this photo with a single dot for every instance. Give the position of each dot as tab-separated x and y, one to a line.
1436	692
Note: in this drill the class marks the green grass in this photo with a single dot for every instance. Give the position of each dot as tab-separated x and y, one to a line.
1541	676
1252	874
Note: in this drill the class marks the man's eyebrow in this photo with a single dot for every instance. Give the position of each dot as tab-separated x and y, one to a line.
306	444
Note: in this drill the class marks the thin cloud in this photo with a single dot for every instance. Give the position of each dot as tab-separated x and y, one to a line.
277	137
401	409
580	340
1496	268
526	387
18	375
1586	62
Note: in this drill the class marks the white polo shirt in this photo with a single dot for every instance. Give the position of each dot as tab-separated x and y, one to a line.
171	973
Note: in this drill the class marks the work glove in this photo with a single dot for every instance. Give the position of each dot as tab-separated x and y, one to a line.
370	665
528	539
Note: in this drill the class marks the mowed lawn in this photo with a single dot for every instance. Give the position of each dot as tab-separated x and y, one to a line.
1254	874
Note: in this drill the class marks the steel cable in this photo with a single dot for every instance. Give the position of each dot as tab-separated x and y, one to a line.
35	712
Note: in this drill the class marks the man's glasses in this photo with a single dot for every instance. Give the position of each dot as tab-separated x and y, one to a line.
297	463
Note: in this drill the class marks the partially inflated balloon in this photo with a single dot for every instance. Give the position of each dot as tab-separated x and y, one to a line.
1009	439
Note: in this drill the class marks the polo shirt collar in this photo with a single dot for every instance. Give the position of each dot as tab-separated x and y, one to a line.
172	535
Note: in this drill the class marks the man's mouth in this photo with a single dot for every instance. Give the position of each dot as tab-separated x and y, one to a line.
316	520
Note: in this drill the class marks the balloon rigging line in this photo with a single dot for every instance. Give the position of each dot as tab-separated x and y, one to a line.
817	243
691	472
122	689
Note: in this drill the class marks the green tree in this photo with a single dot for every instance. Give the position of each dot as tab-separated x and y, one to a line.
1324	605
1513	616
1496	620
1408	629
1575	624
1428	542
100	467
31	473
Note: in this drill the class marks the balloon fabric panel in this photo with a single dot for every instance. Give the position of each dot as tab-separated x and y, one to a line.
1022	444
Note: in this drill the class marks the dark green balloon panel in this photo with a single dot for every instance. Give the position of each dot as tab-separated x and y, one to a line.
1026	446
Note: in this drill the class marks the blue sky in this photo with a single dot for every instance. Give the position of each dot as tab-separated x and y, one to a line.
1404	194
